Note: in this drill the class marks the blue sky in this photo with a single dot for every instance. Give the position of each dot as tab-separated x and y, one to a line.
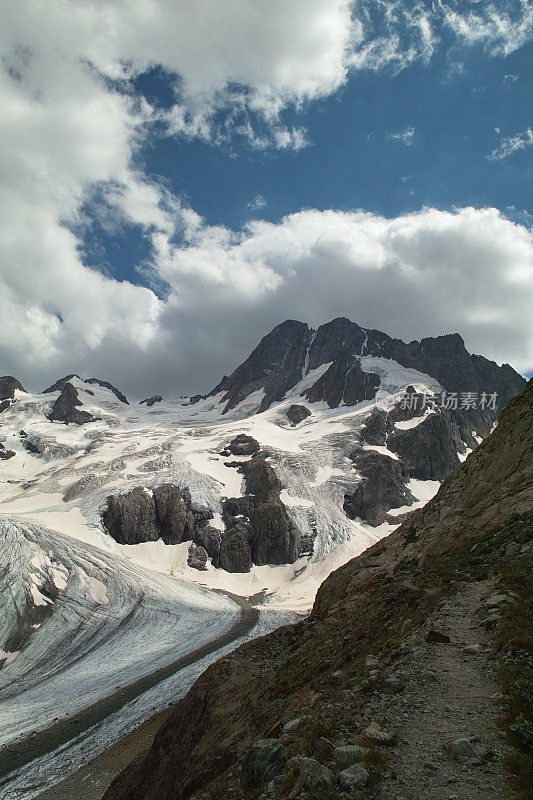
386	143
181	177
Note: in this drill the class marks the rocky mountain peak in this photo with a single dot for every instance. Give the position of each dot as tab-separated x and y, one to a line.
292	350
8	386
60	384
275	366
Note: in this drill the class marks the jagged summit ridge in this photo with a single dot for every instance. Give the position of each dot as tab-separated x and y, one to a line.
60	384
293	350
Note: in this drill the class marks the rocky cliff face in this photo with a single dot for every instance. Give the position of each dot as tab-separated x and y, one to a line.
344	382
258	528
296	705
382	486
146	515
275	365
8	384
292	350
65	408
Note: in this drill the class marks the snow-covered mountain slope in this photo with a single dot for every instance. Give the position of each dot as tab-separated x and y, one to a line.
61	475
118	520
343	440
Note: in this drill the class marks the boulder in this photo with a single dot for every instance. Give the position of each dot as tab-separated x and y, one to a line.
309	775
297	413
324	750
393	684
379	735
264	761
197	557
436	637
465	748
347	754
355	777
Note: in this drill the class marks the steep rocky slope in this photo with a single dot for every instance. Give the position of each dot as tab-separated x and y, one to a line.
345	351
317	709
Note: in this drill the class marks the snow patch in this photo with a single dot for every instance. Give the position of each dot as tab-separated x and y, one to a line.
381	448
407	424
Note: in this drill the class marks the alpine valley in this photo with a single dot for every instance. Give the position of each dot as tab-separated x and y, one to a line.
142	542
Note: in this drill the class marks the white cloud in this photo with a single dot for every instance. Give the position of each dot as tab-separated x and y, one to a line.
405	136
257	203
499	28
70	132
511	144
416	275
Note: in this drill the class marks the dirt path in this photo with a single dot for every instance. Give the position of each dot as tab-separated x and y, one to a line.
21	753
450	694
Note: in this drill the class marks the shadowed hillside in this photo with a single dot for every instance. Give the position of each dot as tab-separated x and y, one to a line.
458	565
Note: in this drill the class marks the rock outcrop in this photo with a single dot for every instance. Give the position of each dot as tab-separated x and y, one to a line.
151	401
146	515
315	673
297	413
6	454
376	428
382	486
65	408
429	450
344	382
60	384
242	445
235	554
197	557
8	385
259	529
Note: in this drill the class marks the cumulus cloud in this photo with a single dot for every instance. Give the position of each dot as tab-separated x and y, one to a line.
416	275
511	144
70	135
419	274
